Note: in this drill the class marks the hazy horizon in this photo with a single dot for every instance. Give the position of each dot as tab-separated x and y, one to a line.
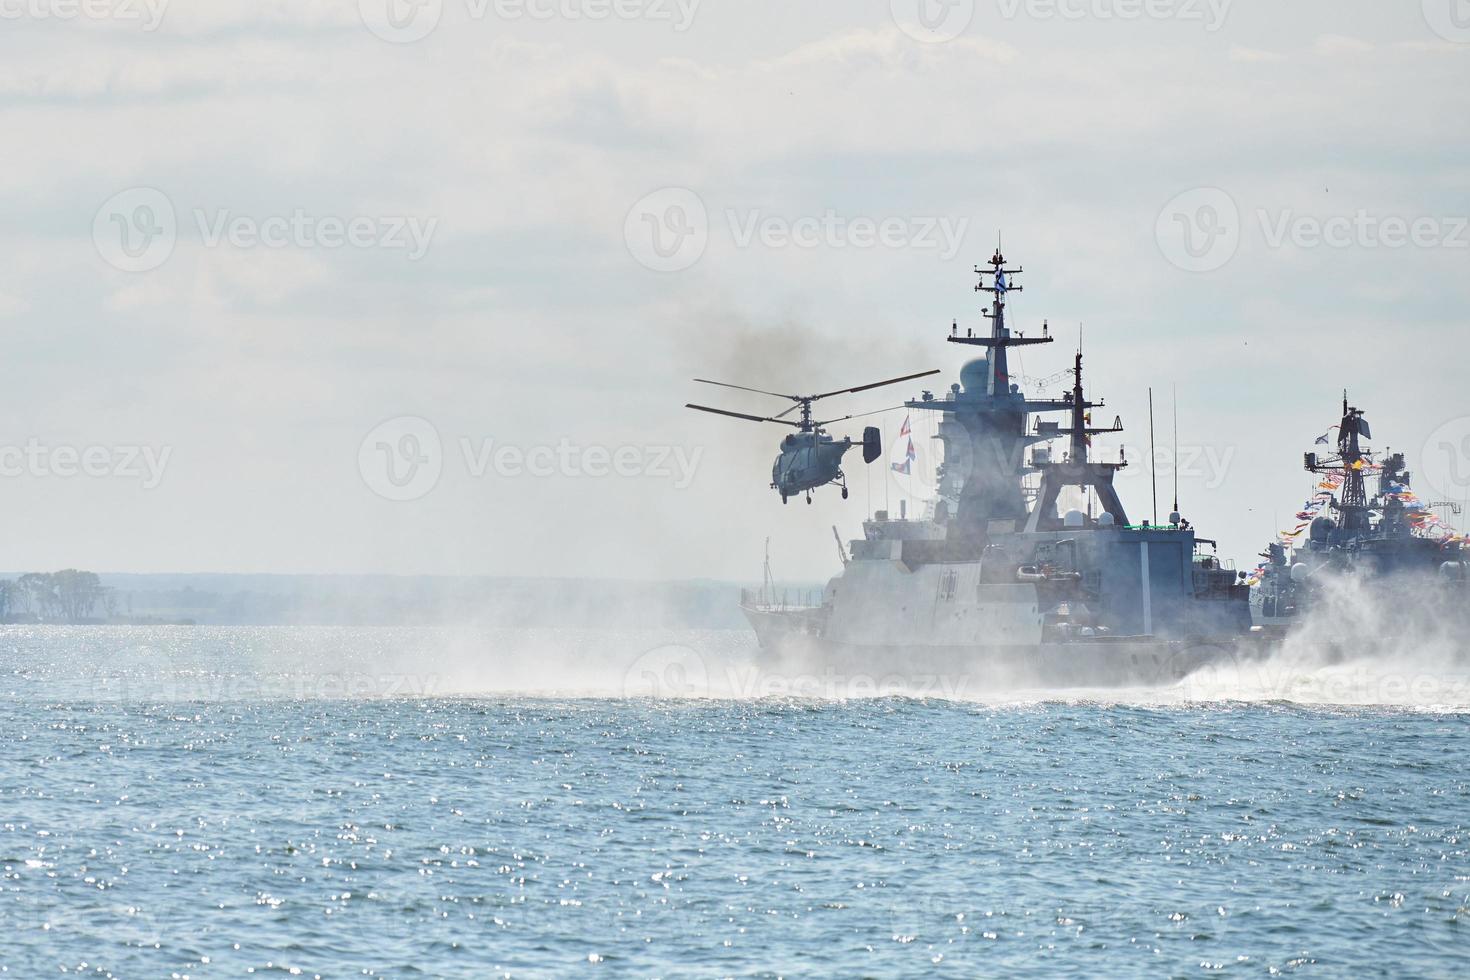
262	261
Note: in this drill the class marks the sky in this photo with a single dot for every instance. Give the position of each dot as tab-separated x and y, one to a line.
421	287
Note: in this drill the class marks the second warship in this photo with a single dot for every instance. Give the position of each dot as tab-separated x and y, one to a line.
1001	578
1364	526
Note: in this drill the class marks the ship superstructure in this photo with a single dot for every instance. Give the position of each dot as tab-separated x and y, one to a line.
1029	558
1363	523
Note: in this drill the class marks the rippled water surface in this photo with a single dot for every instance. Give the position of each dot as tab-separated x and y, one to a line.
209	802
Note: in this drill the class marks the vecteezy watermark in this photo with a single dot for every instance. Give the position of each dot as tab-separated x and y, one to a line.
1199	230
832	230
1208	465
1363	229
832	685
946	920
409	234
932	21
670	671
669	230
146	13
1450	19
36	459
567	459
406	21
676	671
136	230
400	21
403	459
1209	13
149	675
1444	462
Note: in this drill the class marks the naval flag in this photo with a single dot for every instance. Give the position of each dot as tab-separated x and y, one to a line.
907	465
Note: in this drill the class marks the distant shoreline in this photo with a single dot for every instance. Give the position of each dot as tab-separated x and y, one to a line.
232	599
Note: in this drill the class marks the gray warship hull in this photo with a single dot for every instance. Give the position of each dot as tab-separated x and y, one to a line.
882	619
1025	570
1103	662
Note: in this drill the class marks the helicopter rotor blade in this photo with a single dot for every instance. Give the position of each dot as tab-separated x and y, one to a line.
739	415
758	391
859	415
876	384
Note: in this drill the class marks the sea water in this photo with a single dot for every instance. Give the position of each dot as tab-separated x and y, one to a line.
218	802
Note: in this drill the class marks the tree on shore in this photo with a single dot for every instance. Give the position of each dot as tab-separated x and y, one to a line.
68	596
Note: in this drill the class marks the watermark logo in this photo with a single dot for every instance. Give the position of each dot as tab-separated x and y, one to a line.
36	459
1450	19
668	230
926	917
1199	672
1210	13
135	674
568	459
932	21
409	234
406	21
1362	229
135	230
929	233
1199	230
400	21
1444	462
148	13
402	458
1206	465
146	675
671	671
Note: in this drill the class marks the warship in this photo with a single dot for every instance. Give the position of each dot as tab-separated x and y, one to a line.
1364	526
1026	568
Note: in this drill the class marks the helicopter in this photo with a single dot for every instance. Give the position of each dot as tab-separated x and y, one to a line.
810	458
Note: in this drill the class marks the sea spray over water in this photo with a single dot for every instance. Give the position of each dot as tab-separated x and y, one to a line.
1361	644
1399	642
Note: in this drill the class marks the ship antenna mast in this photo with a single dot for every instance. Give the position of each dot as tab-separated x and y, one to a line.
1000	335
768	583
1153	467
1176	448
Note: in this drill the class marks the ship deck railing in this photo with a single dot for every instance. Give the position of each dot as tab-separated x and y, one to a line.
786	600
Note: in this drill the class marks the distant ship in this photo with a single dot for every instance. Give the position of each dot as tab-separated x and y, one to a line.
998	578
1363	525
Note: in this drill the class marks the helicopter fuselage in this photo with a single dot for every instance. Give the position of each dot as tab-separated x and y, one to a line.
808	460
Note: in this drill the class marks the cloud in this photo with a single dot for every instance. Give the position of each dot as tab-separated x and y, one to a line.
1238	53
1336	45
529	142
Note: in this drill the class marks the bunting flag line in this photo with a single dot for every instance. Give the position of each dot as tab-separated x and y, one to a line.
1422	521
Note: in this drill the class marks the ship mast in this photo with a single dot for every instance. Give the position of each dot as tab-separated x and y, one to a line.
1001	339
1349	464
987	429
